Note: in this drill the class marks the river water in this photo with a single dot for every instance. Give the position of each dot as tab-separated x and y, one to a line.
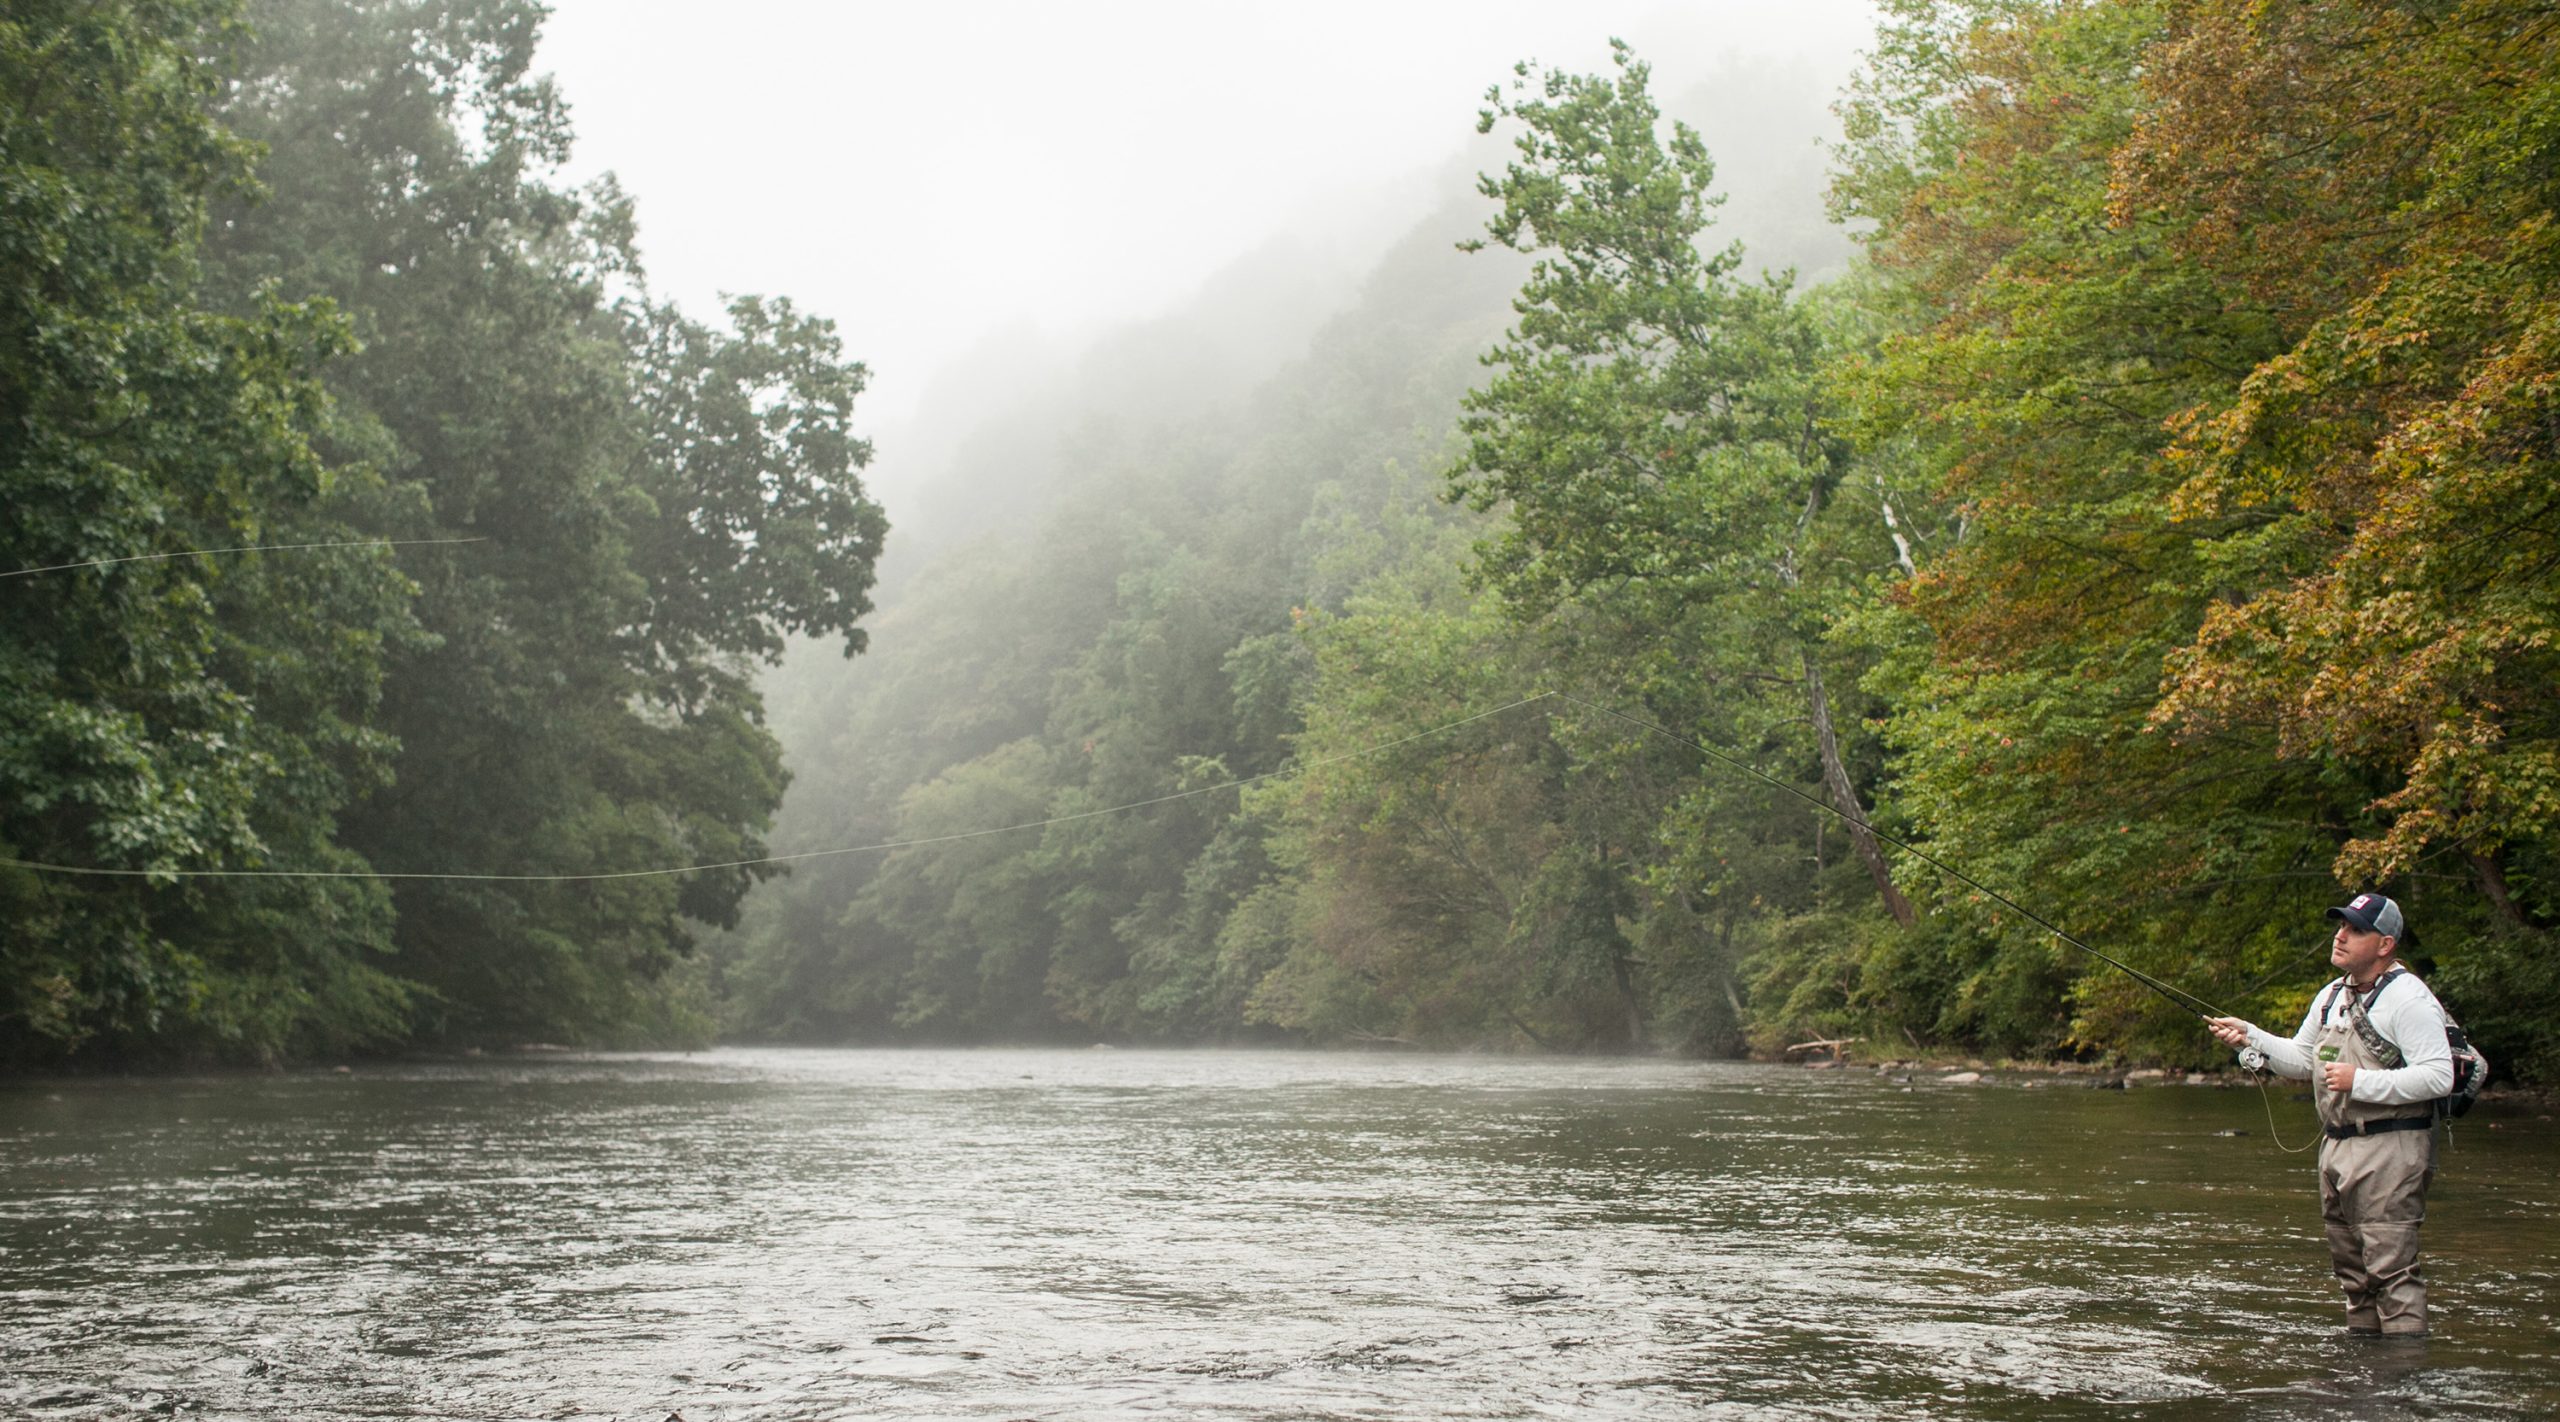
1102	1234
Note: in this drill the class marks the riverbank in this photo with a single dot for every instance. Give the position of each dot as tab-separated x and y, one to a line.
2532	1099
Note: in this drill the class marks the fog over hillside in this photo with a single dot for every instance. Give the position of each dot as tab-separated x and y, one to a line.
981	448
1240	445
928	174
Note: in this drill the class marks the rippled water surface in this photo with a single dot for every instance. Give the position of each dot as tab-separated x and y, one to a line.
789	1234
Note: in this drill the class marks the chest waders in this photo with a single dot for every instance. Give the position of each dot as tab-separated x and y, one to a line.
2375	1165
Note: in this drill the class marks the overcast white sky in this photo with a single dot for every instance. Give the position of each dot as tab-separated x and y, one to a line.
924	172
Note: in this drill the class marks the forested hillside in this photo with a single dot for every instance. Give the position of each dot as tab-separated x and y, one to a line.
2155	524
2124	465
1157	631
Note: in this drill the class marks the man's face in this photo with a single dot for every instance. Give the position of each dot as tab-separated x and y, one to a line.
2356	951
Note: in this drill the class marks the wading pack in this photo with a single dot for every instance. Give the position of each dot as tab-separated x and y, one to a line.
2470	1069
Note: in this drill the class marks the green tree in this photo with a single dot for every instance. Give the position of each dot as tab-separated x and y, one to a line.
1466	886
2396	614
2218	327
1134	643
1683	523
169	712
654	504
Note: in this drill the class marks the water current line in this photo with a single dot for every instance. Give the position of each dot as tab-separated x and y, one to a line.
247	548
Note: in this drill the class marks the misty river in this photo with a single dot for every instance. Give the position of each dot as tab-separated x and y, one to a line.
1094	1234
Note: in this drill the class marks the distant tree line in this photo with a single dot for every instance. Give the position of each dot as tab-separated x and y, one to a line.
305	276
2158	522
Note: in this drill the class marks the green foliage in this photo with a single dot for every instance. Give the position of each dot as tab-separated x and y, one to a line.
2225	413
1430	868
1136	644
176	711
401	329
2035	395
1684	527
2171	385
654	503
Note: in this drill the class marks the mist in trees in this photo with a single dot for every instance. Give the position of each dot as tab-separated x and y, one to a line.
1179	617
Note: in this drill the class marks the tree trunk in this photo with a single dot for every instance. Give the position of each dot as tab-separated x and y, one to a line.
1844	796
1893	526
1724	972
2493	886
1628	997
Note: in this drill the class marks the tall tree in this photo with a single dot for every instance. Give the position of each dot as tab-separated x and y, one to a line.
2397	611
1682	522
654	504
1656	430
2220	324
161	710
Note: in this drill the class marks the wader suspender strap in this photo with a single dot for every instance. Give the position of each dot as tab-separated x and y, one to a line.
2374	1041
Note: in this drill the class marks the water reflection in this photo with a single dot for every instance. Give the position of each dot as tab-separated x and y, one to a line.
1087	1234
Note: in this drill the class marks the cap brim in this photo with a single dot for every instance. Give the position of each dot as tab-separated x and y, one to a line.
2360	920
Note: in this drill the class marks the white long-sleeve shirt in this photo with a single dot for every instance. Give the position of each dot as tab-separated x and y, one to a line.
2406	1014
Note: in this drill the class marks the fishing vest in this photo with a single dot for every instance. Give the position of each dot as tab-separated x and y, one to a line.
2348	1035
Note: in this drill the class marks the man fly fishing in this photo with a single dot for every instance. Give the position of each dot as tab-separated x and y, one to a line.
2375	1048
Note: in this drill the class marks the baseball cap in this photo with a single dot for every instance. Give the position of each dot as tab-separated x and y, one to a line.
2373	913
